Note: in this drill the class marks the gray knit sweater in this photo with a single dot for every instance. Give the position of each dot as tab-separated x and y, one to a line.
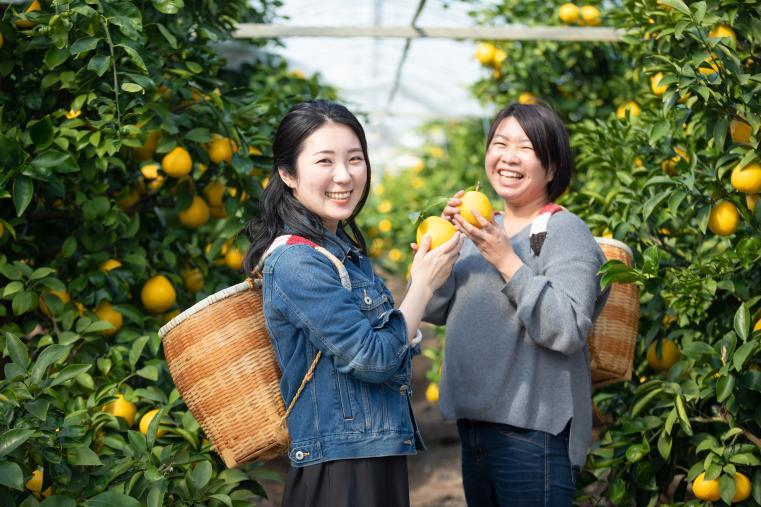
516	352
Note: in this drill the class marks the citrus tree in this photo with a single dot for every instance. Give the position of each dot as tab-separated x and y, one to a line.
131	158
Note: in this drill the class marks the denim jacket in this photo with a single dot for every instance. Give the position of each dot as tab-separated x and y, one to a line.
357	404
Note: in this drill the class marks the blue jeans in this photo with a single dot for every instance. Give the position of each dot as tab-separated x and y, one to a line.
503	465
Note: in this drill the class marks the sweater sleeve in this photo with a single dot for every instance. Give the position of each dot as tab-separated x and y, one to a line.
438	307
557	305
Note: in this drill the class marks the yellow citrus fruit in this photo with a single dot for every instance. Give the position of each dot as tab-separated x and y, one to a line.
485	52
439	229
177	163
60	294
122	408
170	315
253	150
385	207
1	40
217	211
478	201
150	171
158	294
748	179
500	55
723	31
385	225
221	149
750	201
193	279
631	107
742	487
669	355
740	130
196	214
298	74
432	393
590	15
708	66
109	265
568	13
395	255
724	219
234	258
527	98
706	490
655	85
35	483
145	421
128	200
214	192
105	311
147	150
25	23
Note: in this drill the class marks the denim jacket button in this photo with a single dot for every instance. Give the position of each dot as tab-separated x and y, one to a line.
299	455
403	390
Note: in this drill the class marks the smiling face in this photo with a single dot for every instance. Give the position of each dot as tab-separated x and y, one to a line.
513	168
331	173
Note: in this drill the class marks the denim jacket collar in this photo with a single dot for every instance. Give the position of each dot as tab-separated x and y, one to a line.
338	244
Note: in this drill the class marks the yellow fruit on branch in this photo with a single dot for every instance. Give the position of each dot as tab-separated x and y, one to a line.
478	201
757	327
500	55
721	32
109	265
35	483
568	13
590	15
1	40
195	215
60	294
655	85
177	163
748	179
214	192
439	229
25	23
709	66
742	487
221	149
105	311
234	258
147	150
750	201
740	131
395	255
145	422
158	294
485	52
432	393
193	279
385	225
120	407
129	199
527	98
706	490
724	219
385	207
631	107
668	357
150	171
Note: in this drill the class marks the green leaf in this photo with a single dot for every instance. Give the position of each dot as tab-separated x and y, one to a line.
82	455
132	88
134	56
42	133
38	408
56	56
193	67
17	350
150	372
11	439
112	499
664	445
23	190
39	273
642	402
727	488
168	6
12	288
742	322
23	302
676	4
171	39
11	475
137	349
201	474
225	499
69	372
724	387
199	135
742	353
84	45
49	355
156	495
59	161
99	64
58	501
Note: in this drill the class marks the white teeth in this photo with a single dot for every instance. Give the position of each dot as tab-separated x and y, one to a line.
338	195
510	174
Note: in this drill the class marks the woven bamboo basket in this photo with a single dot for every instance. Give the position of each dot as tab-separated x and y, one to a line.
614	334
222	361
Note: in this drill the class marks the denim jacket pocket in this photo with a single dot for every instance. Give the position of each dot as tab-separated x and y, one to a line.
370	301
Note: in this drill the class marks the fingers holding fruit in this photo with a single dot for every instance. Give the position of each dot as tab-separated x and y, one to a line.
453	206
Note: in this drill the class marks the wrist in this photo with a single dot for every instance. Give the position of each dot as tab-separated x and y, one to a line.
420	289
510	265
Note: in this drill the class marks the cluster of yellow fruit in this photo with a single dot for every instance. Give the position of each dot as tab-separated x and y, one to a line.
440	229
490	55
587	15
725	218
127	410
709	490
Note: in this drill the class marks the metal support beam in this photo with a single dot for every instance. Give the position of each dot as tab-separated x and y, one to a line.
510	32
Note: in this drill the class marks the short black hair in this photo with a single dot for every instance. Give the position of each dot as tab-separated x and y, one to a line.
549	138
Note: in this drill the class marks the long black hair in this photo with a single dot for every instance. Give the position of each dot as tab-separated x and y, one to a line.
279	210
549	138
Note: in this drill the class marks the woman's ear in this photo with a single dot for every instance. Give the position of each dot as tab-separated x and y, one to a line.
289	180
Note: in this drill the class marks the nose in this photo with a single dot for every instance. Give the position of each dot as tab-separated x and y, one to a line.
341	174
509	153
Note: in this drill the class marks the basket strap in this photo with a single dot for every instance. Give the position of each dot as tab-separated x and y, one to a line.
307	378
538	232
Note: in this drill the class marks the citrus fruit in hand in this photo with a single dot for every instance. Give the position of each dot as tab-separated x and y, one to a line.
439	229
478	201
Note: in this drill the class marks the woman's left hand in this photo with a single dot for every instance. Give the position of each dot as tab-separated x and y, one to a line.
493	243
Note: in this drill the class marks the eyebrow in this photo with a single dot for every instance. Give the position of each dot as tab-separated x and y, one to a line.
331	152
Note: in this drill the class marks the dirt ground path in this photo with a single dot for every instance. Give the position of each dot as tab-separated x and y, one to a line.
434	474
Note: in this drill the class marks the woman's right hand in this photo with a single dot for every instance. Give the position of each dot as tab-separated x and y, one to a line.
452	209
433	267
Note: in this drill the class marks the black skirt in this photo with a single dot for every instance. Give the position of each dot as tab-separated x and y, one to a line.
366	482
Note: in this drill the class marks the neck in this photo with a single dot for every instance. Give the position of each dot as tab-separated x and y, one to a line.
526	210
